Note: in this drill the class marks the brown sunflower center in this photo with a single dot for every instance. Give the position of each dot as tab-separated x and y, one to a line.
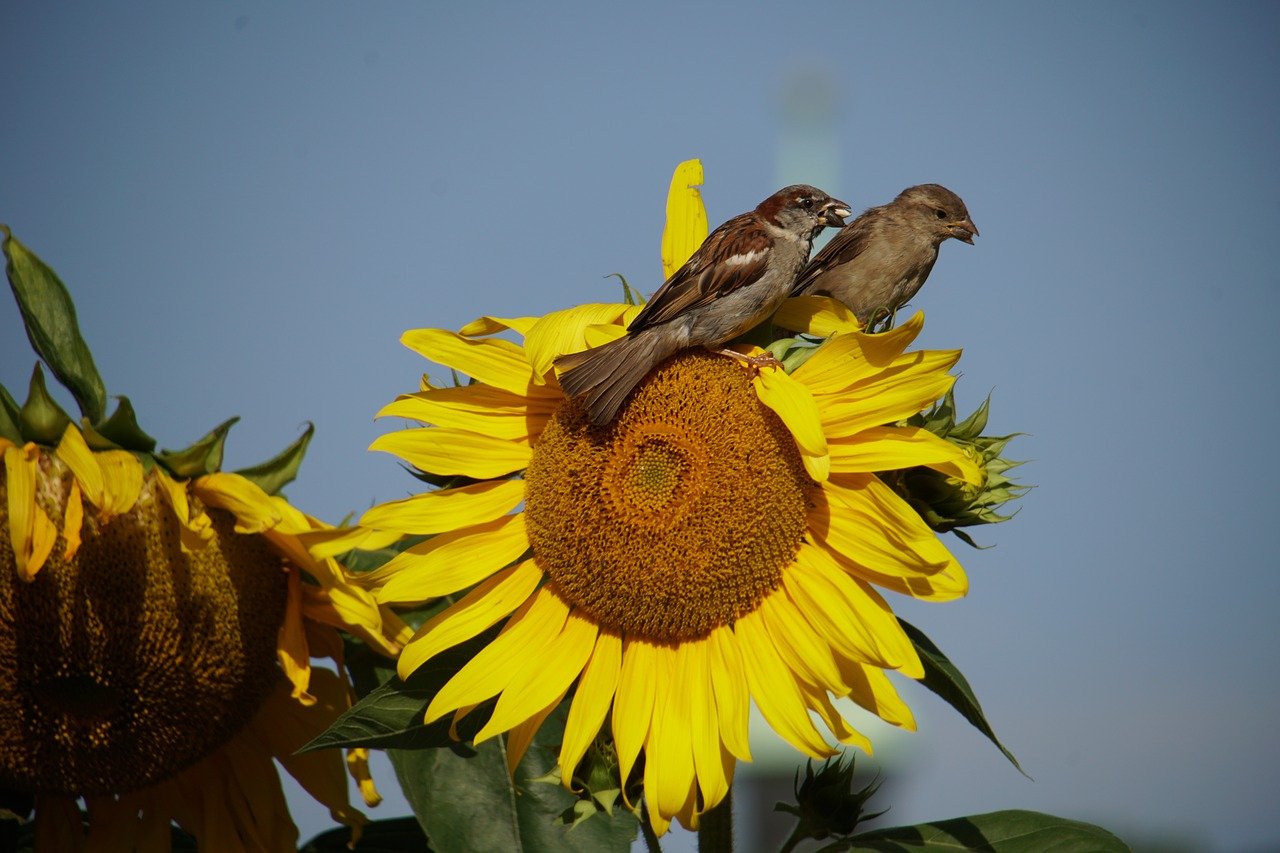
132	660
681	515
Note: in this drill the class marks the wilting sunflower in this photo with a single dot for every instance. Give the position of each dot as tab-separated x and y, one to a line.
718	544
157	623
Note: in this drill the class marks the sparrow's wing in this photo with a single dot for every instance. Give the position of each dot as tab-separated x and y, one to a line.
733	256
850	242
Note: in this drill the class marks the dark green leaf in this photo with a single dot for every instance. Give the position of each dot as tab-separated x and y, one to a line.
276	473
50	319
466	804
203	457
1012	831
119	430
41	419
942	677
10	416
392	835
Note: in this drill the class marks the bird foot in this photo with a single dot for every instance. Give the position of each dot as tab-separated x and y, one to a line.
755	362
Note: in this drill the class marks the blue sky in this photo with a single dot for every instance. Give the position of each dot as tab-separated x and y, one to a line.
251	204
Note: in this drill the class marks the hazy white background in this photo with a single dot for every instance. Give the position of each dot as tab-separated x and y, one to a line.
250	204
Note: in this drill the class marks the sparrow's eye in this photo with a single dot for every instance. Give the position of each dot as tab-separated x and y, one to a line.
940	213
806	203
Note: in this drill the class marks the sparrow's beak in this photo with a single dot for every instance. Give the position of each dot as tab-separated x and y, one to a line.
964	230
836	212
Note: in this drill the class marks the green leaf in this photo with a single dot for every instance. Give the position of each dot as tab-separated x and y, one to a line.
279	471
119	430
1013	831
391	835
473	803
50	319
41	420
203	457
10	417
944	678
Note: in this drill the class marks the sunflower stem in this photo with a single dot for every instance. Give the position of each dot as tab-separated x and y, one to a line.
651	842
715	832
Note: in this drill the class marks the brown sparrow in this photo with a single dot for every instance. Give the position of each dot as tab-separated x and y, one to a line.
881	259
737	278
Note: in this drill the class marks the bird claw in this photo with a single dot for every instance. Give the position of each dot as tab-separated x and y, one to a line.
755	362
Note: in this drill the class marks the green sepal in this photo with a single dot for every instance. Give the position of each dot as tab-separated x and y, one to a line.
120	430
10	417
276	473
630	295
1013	831
50	319
41	420
203	457
945	679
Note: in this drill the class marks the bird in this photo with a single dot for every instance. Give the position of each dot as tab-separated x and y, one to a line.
736	279
881	259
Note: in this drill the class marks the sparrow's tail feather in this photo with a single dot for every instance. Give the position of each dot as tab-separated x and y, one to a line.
607	374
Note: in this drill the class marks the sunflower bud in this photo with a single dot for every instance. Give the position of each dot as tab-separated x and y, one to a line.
826	803
945	503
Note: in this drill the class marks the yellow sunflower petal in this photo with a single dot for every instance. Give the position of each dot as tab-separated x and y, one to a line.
816	315
450	561
870	687
817	699
72	521
31	533
530	690
881	349
518	648
291	647
521	736
686	225
802	649
891	396
358	769
121	481
252	507
75	452
848	613
565	332
445	451
793	403
633	705
493	361
591	702
194	531
482	326
774	688
729	683
489	602
709	754
668	763
477	408
447	509
330	542
891	448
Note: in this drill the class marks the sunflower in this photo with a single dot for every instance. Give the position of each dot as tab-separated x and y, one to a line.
719	544
158	619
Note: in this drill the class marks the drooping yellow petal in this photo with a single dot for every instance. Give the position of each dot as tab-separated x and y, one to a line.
75	452
194	531
121	481
591	702
447	509
482	326
489	602
817	699
330	542
816	315
709	754
686	225
793	403
446	452
633	705
521	735
773	687
891	448
565	332
493	361
450	561
358	769
291	646
72	521
870	687
804	651
477	408
668	763
531	689
882	348
518	648
31	533
729	683
252	507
